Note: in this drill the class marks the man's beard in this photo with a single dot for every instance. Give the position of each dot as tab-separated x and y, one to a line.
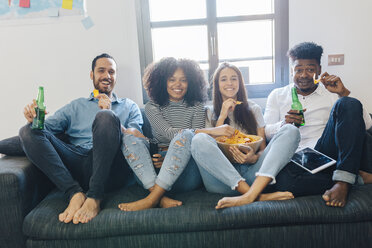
309	89
97	85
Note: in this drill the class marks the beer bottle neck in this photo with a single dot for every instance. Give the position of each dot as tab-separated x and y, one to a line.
296	104
294	95
40	98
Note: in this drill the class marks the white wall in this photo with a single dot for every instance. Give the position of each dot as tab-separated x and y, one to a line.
340	26
58	55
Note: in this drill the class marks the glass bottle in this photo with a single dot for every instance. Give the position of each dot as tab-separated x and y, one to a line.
38	121
296	105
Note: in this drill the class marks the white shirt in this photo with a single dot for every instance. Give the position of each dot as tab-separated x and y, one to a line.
318	107
254	107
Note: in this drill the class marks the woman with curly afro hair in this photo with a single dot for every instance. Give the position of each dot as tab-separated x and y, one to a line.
177	90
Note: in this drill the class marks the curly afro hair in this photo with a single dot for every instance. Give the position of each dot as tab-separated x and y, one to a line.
306	50
157	74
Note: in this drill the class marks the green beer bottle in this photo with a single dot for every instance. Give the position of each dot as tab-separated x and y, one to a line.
296	105
38	122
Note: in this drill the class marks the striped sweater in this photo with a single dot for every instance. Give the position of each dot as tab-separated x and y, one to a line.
168	120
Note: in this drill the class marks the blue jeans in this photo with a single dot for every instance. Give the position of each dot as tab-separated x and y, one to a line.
178	171
221	176
342	139
75	169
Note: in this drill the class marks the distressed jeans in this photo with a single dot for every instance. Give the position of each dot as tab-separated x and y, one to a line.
178	172
75	169
221	176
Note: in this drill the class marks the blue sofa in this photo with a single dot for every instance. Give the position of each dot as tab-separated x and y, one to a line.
29	208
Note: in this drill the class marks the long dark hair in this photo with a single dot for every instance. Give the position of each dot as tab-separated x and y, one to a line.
242	114
157	74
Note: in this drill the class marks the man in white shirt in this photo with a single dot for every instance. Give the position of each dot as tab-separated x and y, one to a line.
335	124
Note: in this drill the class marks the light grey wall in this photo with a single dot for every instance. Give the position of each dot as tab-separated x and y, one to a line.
58	55
341	27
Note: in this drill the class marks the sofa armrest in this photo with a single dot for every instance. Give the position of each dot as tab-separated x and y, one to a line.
22	186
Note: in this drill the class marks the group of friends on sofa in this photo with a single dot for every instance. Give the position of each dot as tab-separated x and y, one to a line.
107	150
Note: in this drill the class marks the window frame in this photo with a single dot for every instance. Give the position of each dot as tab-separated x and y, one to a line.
281	38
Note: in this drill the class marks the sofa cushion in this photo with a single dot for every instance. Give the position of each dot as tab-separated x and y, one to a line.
196	215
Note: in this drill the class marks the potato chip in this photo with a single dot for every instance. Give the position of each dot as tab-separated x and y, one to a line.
316	81
237	138
95	92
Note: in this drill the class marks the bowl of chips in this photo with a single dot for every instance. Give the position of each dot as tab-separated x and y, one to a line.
244	142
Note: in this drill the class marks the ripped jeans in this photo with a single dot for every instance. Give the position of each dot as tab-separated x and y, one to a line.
178	172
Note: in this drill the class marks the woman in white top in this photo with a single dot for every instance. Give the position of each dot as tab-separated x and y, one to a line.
257	169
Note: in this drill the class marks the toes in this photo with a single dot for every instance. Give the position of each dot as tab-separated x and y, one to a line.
220	204
123	207
76	218
68	217
326	196
62	217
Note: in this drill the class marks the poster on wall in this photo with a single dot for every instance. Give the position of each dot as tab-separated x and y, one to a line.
31	9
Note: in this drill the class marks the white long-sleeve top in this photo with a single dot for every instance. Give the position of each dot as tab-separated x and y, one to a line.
318	107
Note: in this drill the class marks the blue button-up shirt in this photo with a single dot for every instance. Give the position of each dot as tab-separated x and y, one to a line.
76	118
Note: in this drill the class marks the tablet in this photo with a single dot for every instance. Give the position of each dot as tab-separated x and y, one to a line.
312	160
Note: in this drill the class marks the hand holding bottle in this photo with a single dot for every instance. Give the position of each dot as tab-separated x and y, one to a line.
29	111
294	117
36	111
296	114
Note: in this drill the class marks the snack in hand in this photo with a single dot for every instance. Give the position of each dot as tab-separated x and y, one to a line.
95	92
238	102
316	81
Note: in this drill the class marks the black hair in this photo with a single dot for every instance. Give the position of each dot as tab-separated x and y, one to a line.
156	76
103	55
306	50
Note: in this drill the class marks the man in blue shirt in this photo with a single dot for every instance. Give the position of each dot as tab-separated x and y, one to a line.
91	162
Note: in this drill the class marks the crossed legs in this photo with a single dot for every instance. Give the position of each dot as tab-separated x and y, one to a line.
342	139
175	163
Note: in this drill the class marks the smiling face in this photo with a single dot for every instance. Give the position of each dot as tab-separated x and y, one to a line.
228	83
104	75
177	86
302	72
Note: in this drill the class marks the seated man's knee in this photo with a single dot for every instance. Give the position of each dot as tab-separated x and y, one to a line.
106	118
349	104
26	133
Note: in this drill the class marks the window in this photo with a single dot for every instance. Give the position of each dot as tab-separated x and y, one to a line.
252	34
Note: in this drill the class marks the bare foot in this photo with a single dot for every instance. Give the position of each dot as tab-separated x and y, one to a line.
77	200
235	201
367	177
88	211
227	202
142	204
167	202
336	196
276	196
